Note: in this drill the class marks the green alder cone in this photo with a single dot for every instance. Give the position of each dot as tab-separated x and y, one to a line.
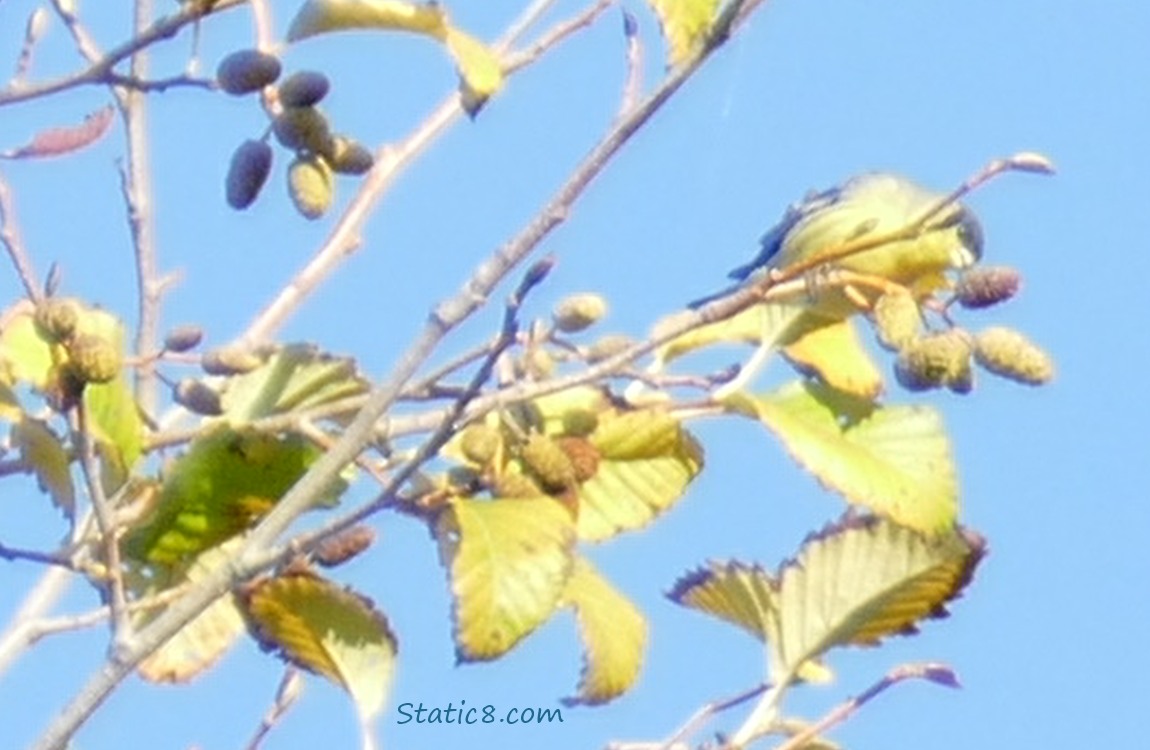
310	186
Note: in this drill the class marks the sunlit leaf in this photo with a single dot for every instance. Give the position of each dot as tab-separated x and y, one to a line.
895	460
744	595
508	562
225	482
199	644
863	579
646	462
115	418
296	377
322	16
685	25
25	356
41	449
835	353
614	635
480	72
762	323
328	630
741	594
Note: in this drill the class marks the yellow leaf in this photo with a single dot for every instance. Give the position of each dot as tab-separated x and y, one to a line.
322	16
480	73
328	630
25	356
614	635
835	353
200	643
508	562
895	460
744	595
685	25
864	579
41	449
646	461
741	594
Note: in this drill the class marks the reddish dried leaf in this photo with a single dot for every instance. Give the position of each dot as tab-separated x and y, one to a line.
64	140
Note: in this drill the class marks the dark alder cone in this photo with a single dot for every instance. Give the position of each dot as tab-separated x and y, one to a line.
197	397
183	338
348	156
303	129
246	71
984	286
249	170
303	89
230	361
583	455
343	546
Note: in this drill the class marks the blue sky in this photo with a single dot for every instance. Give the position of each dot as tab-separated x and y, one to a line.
1050	639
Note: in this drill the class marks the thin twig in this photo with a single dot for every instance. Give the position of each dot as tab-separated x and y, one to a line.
633	83
528	18
14	244
100	67
35	28
105	522
516	60
845	710
138	194
288	692
41	598
47	558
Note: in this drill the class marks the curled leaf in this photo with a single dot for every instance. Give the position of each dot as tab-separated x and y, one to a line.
329	630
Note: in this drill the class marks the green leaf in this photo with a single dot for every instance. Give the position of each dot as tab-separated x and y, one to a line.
199	644
734	591
295	378
895	460
41	449
685	25
115	418
646	462
329	630
863	579
508	562
614	635
225	482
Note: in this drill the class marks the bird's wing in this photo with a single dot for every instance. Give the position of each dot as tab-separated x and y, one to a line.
772	241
